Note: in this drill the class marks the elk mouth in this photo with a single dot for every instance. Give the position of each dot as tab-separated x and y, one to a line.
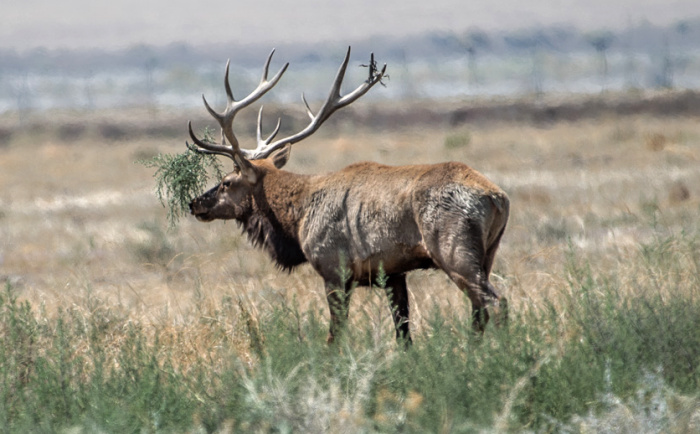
199	213
203	218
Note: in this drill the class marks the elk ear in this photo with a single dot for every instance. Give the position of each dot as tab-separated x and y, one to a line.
247	170
280	158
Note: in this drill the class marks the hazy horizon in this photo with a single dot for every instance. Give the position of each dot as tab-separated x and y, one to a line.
79	24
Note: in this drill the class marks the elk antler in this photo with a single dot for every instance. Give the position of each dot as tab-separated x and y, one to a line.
334	102
266	147
225	119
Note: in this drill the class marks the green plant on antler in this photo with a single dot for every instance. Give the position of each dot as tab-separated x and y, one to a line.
181	177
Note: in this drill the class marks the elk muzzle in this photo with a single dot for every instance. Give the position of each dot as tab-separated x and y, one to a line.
201	207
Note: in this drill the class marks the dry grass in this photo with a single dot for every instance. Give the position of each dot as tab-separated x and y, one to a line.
79	220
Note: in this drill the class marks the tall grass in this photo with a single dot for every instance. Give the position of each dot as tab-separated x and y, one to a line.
616	350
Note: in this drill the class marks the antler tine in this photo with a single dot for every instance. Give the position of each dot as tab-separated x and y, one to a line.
227	84
339	76
209	148
266	68
308	109
373	79
211	111
264	142
264	85
258	130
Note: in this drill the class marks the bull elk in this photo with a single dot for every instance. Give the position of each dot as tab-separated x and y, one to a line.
362	218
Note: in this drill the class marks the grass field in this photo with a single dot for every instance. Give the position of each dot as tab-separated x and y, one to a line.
113	322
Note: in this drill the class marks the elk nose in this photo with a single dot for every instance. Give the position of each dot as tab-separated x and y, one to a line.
192	207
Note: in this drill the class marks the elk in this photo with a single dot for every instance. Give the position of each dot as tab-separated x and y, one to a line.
361	219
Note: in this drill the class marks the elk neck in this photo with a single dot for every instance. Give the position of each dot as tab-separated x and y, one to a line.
276	210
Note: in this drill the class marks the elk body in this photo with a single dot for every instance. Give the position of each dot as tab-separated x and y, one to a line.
361	219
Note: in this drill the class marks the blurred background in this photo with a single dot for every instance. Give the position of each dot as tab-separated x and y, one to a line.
81	55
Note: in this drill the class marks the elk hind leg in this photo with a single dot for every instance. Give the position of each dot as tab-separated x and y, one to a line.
501	318
469	267
481	294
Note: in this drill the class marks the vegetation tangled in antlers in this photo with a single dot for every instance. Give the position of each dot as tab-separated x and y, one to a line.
181	177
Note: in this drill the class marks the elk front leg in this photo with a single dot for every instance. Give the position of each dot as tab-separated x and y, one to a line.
397	292
338	303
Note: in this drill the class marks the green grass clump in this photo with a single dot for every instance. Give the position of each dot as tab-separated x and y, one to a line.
616	350
61	373
457	140
182	177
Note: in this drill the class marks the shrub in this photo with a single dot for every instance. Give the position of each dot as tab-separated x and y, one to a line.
180	178
612	343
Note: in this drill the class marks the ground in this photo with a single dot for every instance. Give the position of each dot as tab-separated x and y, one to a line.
78	216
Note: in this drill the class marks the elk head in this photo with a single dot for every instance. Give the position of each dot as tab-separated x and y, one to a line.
231	199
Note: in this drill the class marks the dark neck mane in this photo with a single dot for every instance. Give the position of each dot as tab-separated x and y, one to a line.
266	233
264	229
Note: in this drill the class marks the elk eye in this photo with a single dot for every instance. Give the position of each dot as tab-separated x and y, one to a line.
227	184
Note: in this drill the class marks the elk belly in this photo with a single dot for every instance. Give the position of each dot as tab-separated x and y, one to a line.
396	259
